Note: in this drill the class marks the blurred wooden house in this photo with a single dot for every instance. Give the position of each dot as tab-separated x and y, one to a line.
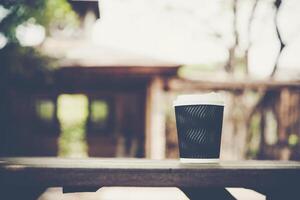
130	87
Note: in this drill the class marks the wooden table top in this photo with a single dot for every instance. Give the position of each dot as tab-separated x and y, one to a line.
96	172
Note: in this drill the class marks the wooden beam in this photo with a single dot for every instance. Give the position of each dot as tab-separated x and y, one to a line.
117	71
231	85
89	173
155	120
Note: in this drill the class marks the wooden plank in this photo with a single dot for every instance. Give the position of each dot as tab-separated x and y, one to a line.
193	85
118	71
58	172
76	79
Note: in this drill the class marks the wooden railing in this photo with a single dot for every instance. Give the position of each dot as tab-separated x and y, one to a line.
229	85
262	118
25	176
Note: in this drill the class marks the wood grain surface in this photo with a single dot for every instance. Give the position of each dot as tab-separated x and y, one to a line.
59	172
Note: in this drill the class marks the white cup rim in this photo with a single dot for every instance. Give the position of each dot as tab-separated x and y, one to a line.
212	98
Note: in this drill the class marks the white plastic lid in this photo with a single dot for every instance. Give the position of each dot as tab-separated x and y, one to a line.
211	98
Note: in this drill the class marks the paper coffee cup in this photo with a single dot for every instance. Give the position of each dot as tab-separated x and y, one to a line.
199	119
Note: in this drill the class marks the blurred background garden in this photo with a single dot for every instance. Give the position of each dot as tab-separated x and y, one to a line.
77	81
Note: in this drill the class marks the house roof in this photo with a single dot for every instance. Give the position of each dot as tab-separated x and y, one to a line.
83	53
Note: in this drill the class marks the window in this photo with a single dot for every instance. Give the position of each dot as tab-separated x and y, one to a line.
45	110
99	112
72	114
99	116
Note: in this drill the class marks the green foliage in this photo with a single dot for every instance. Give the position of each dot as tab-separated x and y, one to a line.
255	136
26	65
293	140
19	12
99	110
45	109
44	12
59	13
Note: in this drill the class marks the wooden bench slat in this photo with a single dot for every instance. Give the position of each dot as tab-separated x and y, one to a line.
132	163
58	172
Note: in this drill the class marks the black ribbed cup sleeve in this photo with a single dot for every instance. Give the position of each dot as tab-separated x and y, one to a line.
199	129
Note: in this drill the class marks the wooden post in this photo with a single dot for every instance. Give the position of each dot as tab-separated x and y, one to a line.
155	120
